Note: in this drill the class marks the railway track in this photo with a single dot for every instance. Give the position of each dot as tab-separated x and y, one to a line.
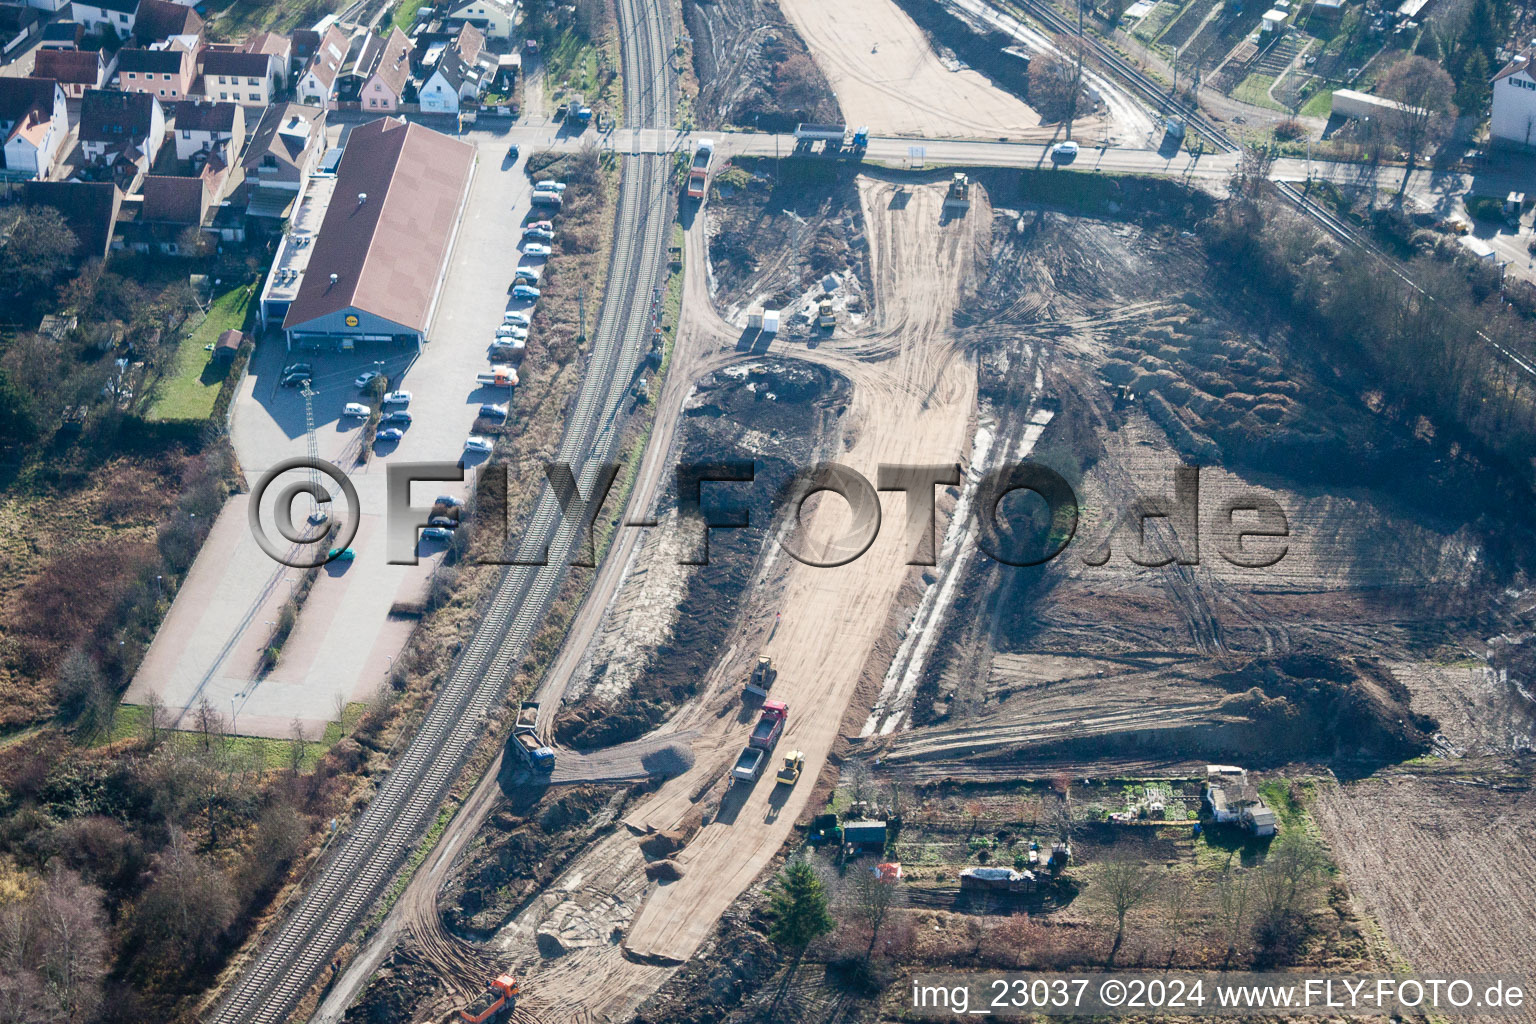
357	872
1160	99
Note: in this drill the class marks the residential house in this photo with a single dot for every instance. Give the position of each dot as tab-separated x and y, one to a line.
116	16
89	208
495	18
18	23
48	6
120	125
160	20
279	48
75	70
317	85
203	129
34	120
449	84
1233	800
167	73
62	35
173	203
283	152
1514	101
238	77
384	89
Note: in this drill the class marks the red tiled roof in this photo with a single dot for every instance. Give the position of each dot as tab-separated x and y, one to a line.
394	64
387	251
73	67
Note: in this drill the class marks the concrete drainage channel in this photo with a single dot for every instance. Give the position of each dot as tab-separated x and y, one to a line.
357	873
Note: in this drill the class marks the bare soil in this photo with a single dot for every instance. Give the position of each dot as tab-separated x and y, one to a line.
778	230
753	68
772	413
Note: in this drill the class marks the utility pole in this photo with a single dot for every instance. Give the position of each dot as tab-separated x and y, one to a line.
581	312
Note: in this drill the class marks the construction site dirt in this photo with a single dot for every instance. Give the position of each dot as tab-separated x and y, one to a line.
753	69
1101	346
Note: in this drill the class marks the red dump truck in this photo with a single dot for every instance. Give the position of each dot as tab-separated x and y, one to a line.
698	173
494	1005
768	729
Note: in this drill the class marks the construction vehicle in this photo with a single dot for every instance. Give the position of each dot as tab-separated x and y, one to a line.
765	735
826	316
749	766
494	1005
794	763
525	739
959	194
836	137
698	174
807	133
499	377
763	675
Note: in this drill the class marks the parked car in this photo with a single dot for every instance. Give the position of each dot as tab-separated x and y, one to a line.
507	347
512	151
293	380
542	225
399	416
525	291
511	331
1064	152
549	185
367	377
491	411
517	318
293	368
448	501
539	234
436	533
340	555
355	409
387	435
398	398
536	249
476	443
443	522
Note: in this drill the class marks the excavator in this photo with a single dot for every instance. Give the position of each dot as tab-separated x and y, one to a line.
495	1004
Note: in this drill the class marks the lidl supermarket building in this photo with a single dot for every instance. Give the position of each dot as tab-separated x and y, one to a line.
367	250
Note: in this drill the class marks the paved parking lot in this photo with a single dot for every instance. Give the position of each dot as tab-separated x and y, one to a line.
210	645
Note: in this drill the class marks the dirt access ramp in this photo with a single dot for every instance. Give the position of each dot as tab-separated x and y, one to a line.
887	77
913	400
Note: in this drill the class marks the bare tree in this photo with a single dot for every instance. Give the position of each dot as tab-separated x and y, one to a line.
296	747
1232	893
184	913
1286	886
1123	884
857	779
154	718
1424	97
208	722
54	952
872	895
1176	903
1056	88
